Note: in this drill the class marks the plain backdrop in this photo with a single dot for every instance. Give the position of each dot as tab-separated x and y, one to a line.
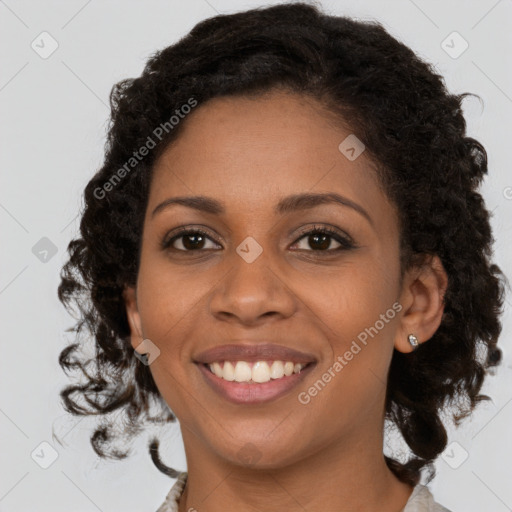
54	112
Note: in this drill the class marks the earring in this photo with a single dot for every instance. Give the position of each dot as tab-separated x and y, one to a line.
413	341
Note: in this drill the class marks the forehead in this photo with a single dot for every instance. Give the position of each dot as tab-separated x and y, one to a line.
251	151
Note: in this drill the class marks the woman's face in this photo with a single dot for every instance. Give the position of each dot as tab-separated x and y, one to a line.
255	278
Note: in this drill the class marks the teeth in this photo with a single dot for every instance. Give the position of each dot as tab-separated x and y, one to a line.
228	372
216	368
259	371
277	370
242	372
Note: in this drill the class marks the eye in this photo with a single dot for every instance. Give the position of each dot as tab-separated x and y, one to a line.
188	240
320	240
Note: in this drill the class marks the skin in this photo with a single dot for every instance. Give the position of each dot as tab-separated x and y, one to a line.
249	153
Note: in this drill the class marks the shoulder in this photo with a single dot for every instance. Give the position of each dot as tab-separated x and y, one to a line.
172	499
421	500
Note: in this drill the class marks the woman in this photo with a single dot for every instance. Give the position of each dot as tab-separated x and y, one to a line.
285	249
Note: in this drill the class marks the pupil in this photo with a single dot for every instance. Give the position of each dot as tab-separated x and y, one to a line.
324	243
198	238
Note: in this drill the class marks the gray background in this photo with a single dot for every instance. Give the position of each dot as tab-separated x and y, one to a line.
53	120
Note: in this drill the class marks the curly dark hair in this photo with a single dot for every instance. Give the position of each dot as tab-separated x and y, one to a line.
413	129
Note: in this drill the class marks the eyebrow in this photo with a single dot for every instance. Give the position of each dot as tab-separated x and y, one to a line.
288	204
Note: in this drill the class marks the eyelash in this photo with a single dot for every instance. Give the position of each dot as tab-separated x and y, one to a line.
345	241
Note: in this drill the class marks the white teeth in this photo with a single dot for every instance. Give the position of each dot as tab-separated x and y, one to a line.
242	372
228	372
259	371
216	368
276	370
288	368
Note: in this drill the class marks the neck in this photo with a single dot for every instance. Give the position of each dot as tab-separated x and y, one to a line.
344	476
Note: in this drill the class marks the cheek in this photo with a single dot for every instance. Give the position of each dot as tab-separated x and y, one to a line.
167	299
353	297
165	312
359	314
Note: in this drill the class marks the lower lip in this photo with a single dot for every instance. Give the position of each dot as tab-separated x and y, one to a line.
247	393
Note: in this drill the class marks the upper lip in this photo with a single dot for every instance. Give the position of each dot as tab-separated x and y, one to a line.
251	353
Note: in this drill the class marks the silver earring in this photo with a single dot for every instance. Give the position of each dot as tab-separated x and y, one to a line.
413	341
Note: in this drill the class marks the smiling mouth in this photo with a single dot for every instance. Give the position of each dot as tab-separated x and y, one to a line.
247	391
254	372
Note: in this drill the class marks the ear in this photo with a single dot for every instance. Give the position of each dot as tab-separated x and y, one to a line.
422	298
132	312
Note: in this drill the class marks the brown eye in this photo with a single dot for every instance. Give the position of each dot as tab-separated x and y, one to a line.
320	240
188	241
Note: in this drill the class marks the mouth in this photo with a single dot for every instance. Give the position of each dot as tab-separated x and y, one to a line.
243	382
254	372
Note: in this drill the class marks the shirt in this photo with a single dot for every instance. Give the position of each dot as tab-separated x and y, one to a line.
421	499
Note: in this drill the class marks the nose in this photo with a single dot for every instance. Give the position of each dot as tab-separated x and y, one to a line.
250	293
